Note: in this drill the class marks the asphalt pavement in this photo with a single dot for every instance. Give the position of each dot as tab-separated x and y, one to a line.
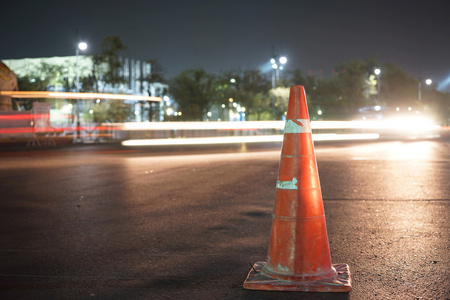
110	222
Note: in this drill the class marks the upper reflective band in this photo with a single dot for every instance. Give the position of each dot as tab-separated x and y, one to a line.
287	185
297	126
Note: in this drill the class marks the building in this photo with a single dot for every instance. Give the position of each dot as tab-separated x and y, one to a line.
65	70
133	71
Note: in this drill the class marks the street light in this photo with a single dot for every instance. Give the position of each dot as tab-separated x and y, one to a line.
277	64
81	46
230	109
427	82
377	72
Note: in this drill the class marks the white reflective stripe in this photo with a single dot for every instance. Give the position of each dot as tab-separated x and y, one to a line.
287	185
297	126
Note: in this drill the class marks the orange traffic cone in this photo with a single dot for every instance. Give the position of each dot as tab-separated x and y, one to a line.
299	255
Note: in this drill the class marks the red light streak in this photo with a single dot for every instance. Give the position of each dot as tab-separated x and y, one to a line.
15	117
15	130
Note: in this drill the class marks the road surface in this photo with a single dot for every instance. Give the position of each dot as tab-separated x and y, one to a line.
110	222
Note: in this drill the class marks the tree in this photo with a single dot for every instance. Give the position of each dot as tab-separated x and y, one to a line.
352	81
254	92
327	92
193	90
281	100
112	111
45	76
92	82
295	77
110	46
317	91
249	88
32	83
156	75
397	89
338	96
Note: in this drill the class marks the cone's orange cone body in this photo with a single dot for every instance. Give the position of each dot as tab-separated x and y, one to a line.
299	254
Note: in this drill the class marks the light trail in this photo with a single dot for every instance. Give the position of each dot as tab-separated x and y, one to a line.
397	123
67	95
31	129
212	125
245	139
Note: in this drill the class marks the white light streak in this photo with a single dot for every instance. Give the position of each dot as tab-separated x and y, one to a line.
60	95
399	123
201	125
244	139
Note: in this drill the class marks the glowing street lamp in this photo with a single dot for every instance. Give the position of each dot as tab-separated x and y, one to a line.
277	64
81	46
377	72
427	82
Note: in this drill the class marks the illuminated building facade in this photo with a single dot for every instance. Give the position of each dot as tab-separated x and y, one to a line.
135	74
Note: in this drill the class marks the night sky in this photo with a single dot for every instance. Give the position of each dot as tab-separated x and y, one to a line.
221	35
